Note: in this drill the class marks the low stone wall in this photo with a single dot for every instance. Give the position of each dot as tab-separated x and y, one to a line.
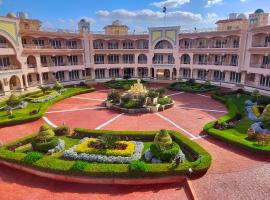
138	110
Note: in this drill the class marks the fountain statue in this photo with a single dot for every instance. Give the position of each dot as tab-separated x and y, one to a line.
137	89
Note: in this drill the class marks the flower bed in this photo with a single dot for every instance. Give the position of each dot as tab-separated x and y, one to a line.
34	111
43	98
236	135
192	87
93	165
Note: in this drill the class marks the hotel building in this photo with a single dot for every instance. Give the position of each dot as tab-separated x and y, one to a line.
235	54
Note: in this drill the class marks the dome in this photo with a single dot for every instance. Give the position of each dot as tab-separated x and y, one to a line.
259	11
242	16
83	20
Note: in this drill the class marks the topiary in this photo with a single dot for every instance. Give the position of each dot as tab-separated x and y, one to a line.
13	101
44	146
266	117
165	155
58	86
45	133
62	130
163	139
113	96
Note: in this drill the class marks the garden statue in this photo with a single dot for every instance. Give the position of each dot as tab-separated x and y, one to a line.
137	89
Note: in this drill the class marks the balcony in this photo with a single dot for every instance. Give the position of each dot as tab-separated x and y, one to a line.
8	70
4	45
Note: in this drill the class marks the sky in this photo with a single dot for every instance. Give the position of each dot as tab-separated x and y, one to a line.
137	14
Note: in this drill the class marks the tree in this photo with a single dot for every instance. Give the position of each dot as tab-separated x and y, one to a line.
13	101
44	89
163	139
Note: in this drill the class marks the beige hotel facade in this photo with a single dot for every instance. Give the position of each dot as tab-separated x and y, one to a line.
235	54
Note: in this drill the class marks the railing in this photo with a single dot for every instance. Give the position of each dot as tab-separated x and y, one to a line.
7	68
33	46
210	47
129	33
195	30
60	64
4	45
46	29
263	66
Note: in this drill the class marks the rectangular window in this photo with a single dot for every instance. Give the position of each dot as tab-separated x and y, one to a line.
72	60
4	62
57	60
100	73
60	76
114	73
113	59
43	60
202	74
74	75
158	59
128	59
218	76
127	45
113	45
142	72
265	81
45	77
186	73
129	72
56	44
235	77
72	44
98	44
99	59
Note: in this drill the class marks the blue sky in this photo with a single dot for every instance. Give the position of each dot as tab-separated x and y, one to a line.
137	14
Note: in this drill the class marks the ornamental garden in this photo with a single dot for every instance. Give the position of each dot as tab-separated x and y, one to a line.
133	154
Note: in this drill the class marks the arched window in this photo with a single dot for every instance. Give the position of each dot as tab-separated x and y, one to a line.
163	44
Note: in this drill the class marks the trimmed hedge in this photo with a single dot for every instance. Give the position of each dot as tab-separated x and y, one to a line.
122	84
44	107
228	135
192	87
55	164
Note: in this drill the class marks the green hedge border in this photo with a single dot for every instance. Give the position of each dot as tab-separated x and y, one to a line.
107	84
43	108
230	138
170	87
199	166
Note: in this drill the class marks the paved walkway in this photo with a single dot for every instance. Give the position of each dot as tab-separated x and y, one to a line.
234	174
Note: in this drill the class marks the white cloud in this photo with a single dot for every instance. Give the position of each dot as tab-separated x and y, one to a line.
170	3
147	17
211	3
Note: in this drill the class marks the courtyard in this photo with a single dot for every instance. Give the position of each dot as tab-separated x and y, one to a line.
230	170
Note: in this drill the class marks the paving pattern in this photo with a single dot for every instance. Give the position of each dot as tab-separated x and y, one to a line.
234	174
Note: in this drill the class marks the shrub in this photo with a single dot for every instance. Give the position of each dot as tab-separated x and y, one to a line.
165	154
44	89
32	157
164	100
44	146
79	165
137	166
191	81
131	104
161	91
163	139
152	93
45	133
62	130
13	101
113	96
58	86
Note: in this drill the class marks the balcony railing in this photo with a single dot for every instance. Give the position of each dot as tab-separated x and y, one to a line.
60	64
263	66
10	67
33	46
4	45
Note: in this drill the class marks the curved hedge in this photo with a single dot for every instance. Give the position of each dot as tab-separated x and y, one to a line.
226	135
44	106
190	87
55	164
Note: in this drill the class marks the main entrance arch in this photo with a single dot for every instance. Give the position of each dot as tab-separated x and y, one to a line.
15	83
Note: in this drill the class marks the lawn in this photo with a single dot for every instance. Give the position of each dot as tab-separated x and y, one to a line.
55	163
238	134
192	87
23	115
